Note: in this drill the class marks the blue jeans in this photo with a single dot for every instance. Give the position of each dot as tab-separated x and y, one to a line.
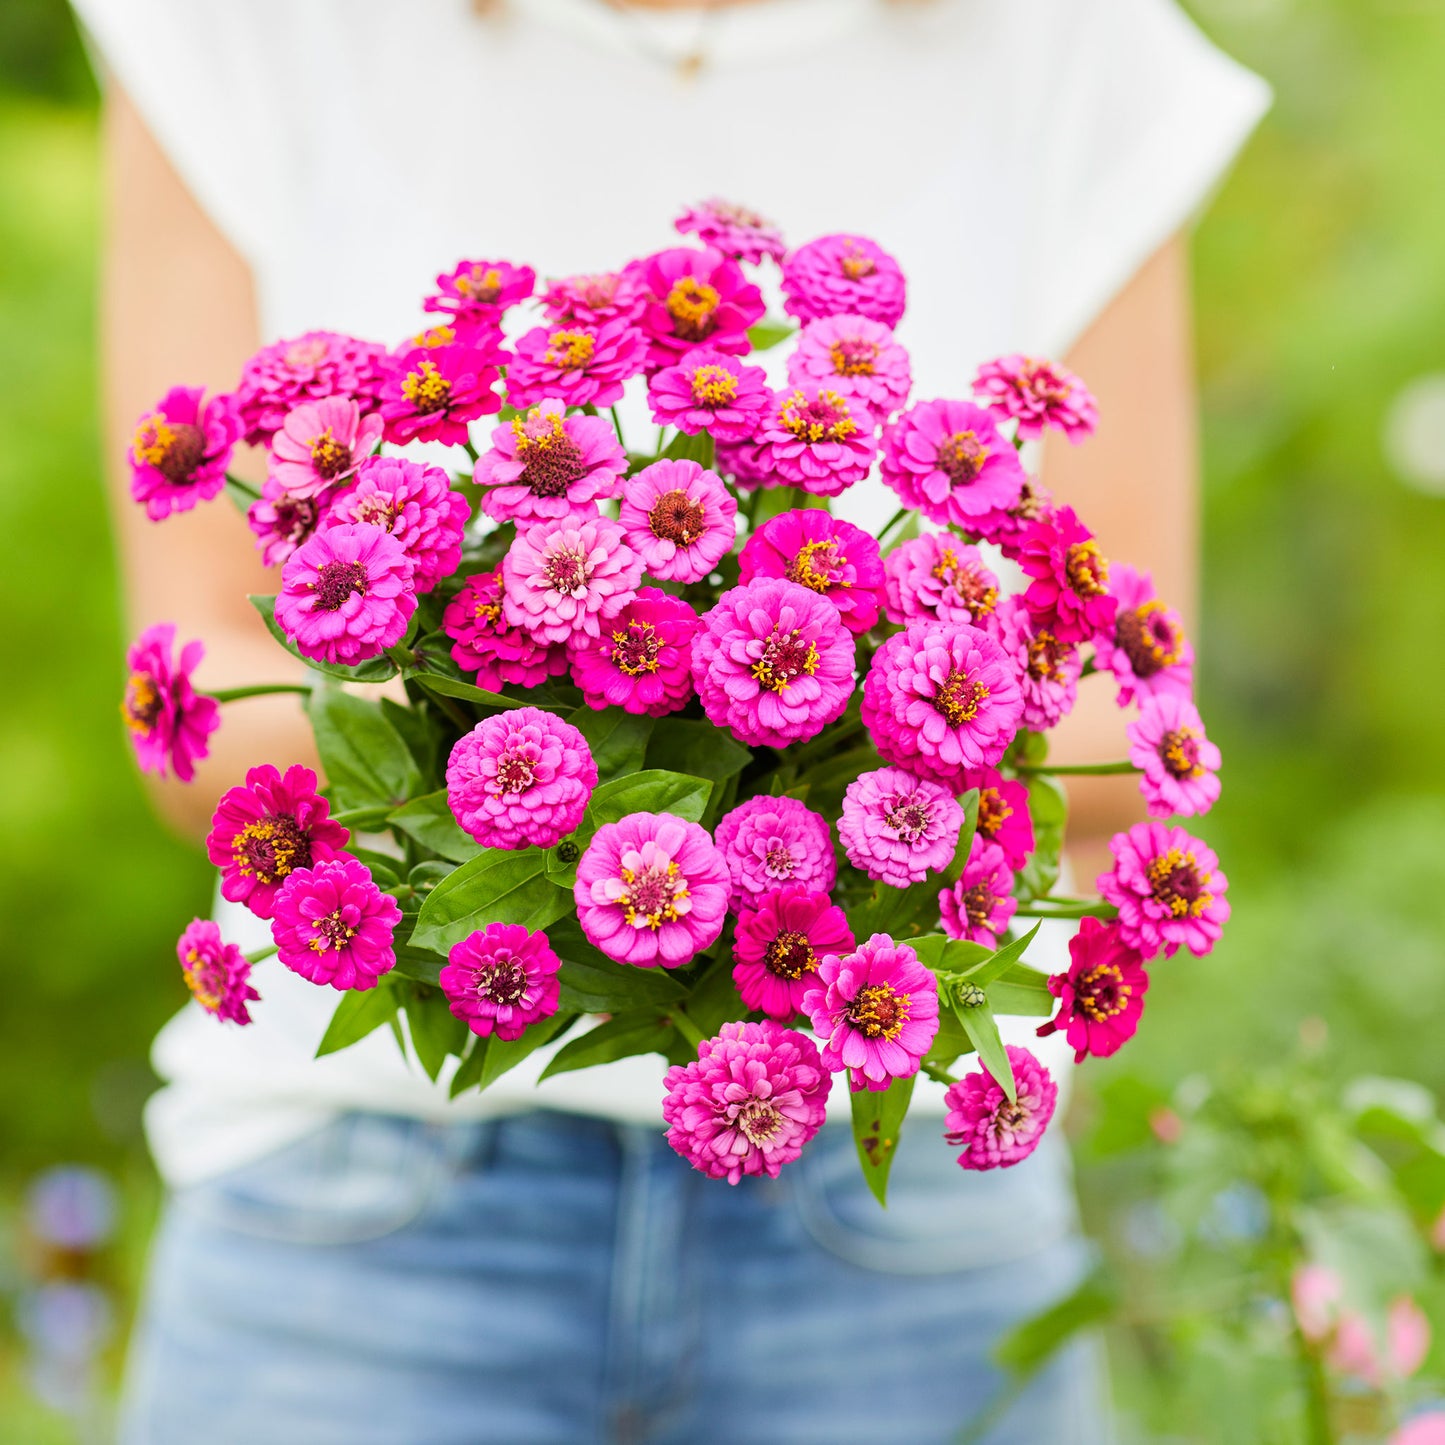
549	1278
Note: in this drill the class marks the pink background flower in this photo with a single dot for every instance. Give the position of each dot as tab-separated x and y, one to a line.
485	643
947	459
940	579
168	721
1168	889
1179	763
546	464
1037	394
333	925
1069	595
679	518
1101	994
478	292
769	842
980	905
843	275
216	973
501	979
734	230
781	937
898	828
1146	649
321	443
579	365
307	368
994	1133
180	451
833	558
1003	813
1047	669
568	577
856	355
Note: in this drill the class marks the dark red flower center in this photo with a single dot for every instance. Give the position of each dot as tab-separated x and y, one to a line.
1101	993
676	517
336	581
174	448
878	1011
553	462
1148	638
332	933
565	570
1175	881
852	356
961	457
636	648
378	511
295	517
501	981
979	903
142	704
515	771
968	583
271	848
758	1122
1179	752
778	861
786	657
909	818
1087	570
329	457
692	304
1031	504
426	388
790	956
959	698
1047	656
993	812
823	418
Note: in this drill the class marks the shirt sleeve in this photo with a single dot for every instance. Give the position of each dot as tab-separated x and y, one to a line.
1141	116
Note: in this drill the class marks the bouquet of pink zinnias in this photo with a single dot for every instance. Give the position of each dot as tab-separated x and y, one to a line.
666	758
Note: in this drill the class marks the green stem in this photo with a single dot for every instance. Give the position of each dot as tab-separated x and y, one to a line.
472	452
232	480
1317	1392
452	710
261	953
895	520
1078	770
260	689
617	423
1068	910
685	1026
934	1071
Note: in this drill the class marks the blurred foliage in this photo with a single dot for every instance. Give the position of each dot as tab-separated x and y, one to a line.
41	54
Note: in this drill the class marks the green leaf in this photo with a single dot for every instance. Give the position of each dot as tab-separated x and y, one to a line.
490	1058
1001	960
376	669
241	494
877	1121
640	1031
950	1042
417	964
592	983
435	1031
982	1030
366	760
429	820
949	955
384	868
653	791
697	449
497	886
1030	750
681	745
418	729
766	334
618	739
358	1014
1049	810
714	998
954	871
439	685
1022	991
1026	1348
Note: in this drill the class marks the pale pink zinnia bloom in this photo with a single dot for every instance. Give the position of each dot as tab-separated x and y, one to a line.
769	842
216	972
856	355
592	300
734	230
897	828
568	576
949	460
321	443
1168	889
938	577
828	556
1037	394
1316	1293
994	1133
980	905
679	518
169	722
1147	650
1180	765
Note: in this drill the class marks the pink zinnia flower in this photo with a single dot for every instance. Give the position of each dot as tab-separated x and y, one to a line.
897	828
651	890
854	355
547	464
321	443
769	842
281	522
734	230
1069	596
980	905
569	577
755	1096
741	462
939	700
994	1133
948	459
484	642
843	275
1147	650
1037	394
519	778
773	664
347	594
263	832
710	391
168	720
1008	529
833	558
1351	1348
695	297
592	300
416	504
1048	670
500	979
1003	813
1101	996
642	662
180	451
876	1010
780	938
334	925
1427	1429
319	364
679	519
216	973
1180	765
580	365
432	392
1168	889
820	440
476	293
939	578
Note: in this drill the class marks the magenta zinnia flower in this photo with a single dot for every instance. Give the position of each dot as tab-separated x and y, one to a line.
1003	813
216	973
1008	529
1069	596
897	828
1147	650
319	364
940	578
734	230
263	832
321	443
856	356
569	577
755	1096
547	464
484	642
979	906
780	938
939	700
994	1133
281	522
580	365
1180	765
843	275
416	504
769	842
1037	394
695	297
679	519
592	300
500	979
432	392
522	777
347	594
876	1010
710	391
476	293
1101	996
833	558
948	459
180	451
1168	889
773	664
334	925
740	462
642	662
168	721
1048	670
820	440
651	890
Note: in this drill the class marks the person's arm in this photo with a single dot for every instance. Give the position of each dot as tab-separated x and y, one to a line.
177	307
1135	483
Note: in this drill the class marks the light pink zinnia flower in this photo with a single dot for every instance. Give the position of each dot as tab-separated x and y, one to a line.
1069	596
939	578
347	594
1048	670
319	364
1101	996
519	778
321	443
695	298
651	890
855	355
484	642
833	558
180	451
820	440
1316	1293
734	230
980	905
642	662
593	300
1426	1429
432	392
769	842
994	1133
579	365
1147	650
897	828
1180	765
679	519
876	1009
710	391
500	979
948	459
216	973
567	577
333	925
740	462
476	293
281	522
168	721
755	1096
1037	394
843	275
1168	889
1003	813
780	939
773	663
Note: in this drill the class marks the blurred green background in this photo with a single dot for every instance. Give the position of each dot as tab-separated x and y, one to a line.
1320	288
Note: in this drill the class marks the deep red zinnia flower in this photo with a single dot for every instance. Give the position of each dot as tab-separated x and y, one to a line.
1101	996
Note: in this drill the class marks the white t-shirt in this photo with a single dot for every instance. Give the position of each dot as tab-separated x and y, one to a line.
1021	161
